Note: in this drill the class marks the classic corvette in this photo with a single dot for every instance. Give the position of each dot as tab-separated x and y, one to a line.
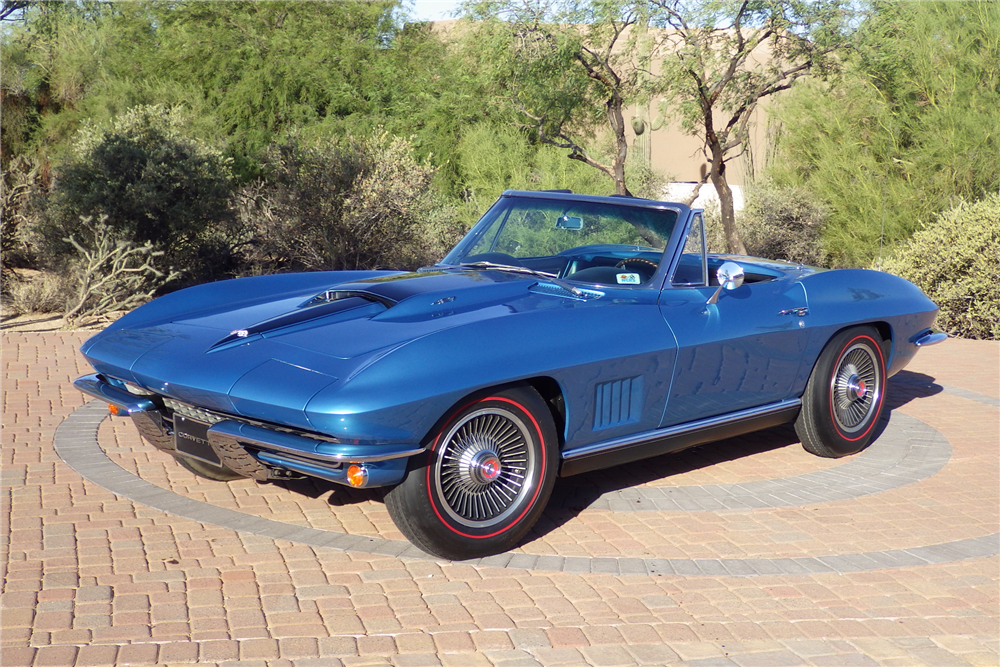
563	334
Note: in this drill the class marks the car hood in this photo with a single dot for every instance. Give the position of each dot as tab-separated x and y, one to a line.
267	359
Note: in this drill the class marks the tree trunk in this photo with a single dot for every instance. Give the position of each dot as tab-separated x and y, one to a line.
734	244
617	123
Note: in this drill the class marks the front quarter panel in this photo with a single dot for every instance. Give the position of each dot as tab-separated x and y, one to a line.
582	346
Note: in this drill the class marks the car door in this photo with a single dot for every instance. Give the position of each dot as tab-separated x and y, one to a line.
743	351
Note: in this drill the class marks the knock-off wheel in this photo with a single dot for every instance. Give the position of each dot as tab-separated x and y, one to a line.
485	479
843	400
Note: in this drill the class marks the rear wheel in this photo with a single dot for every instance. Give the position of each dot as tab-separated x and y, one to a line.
484	480
845	394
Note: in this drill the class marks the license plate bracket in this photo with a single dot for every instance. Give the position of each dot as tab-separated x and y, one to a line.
191	439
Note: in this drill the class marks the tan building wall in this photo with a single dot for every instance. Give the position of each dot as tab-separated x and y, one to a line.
674	154
679	157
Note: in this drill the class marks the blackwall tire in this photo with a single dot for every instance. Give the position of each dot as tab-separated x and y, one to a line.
485	479
845	395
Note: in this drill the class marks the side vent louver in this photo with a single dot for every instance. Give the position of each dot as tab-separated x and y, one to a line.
618	402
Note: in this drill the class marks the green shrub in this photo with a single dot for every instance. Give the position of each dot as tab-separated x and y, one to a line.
783	223
343	204
151	184
954	261
493	159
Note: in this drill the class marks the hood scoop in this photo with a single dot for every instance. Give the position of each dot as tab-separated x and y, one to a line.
323	306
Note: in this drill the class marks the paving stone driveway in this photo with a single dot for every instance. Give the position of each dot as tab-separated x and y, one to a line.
745	553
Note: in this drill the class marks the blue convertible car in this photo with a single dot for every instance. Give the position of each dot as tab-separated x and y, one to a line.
563	334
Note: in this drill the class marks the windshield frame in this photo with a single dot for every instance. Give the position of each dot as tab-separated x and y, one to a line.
502	207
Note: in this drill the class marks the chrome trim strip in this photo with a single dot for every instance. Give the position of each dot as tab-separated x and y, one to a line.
95	385
299	445
929	337
680	429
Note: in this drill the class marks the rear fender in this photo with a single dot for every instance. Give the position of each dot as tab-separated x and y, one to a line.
846	298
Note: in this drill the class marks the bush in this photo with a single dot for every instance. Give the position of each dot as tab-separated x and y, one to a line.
150	184
783	223
20	187
44	292
343	204
954	261
110	275
493	159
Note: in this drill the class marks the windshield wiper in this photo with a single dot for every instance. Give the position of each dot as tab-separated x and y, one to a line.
551	277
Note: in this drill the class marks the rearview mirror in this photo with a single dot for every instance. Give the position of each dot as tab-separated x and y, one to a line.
567	222
730	276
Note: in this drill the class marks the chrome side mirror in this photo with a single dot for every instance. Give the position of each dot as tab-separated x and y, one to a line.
730	276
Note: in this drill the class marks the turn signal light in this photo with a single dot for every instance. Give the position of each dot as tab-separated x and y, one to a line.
113	409
357	475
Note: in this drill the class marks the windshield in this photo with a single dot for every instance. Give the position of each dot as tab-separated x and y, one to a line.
590	242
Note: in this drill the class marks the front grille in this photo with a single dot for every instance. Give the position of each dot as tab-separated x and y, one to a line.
192	412
209	417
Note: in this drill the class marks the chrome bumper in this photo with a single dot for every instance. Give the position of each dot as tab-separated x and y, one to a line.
929	337
311	448
234	442
127	404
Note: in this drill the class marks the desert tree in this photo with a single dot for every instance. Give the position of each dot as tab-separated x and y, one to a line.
720	58
567	68
914	127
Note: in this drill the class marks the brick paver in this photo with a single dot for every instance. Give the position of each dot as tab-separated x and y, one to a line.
897	574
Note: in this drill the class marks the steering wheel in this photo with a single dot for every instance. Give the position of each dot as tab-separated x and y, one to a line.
646	268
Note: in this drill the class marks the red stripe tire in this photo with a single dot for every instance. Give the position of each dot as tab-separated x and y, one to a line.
485	479
843	400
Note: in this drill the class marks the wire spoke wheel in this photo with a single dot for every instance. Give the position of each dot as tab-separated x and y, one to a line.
855	388
481	470
487	474
843	399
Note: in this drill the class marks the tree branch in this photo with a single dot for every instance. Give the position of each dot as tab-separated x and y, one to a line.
577	152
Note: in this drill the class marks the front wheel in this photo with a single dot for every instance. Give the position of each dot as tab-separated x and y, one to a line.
484	480
845	394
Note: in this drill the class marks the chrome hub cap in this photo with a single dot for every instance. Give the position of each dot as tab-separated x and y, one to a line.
857	387
854	389
482	468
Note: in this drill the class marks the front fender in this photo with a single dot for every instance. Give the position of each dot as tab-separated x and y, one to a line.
405	392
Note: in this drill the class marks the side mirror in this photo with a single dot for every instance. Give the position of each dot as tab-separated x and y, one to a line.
730	276
567	222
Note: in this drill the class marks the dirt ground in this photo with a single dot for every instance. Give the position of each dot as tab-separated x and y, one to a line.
42	322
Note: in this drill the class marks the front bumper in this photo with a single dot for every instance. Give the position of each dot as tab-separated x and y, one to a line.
254	449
